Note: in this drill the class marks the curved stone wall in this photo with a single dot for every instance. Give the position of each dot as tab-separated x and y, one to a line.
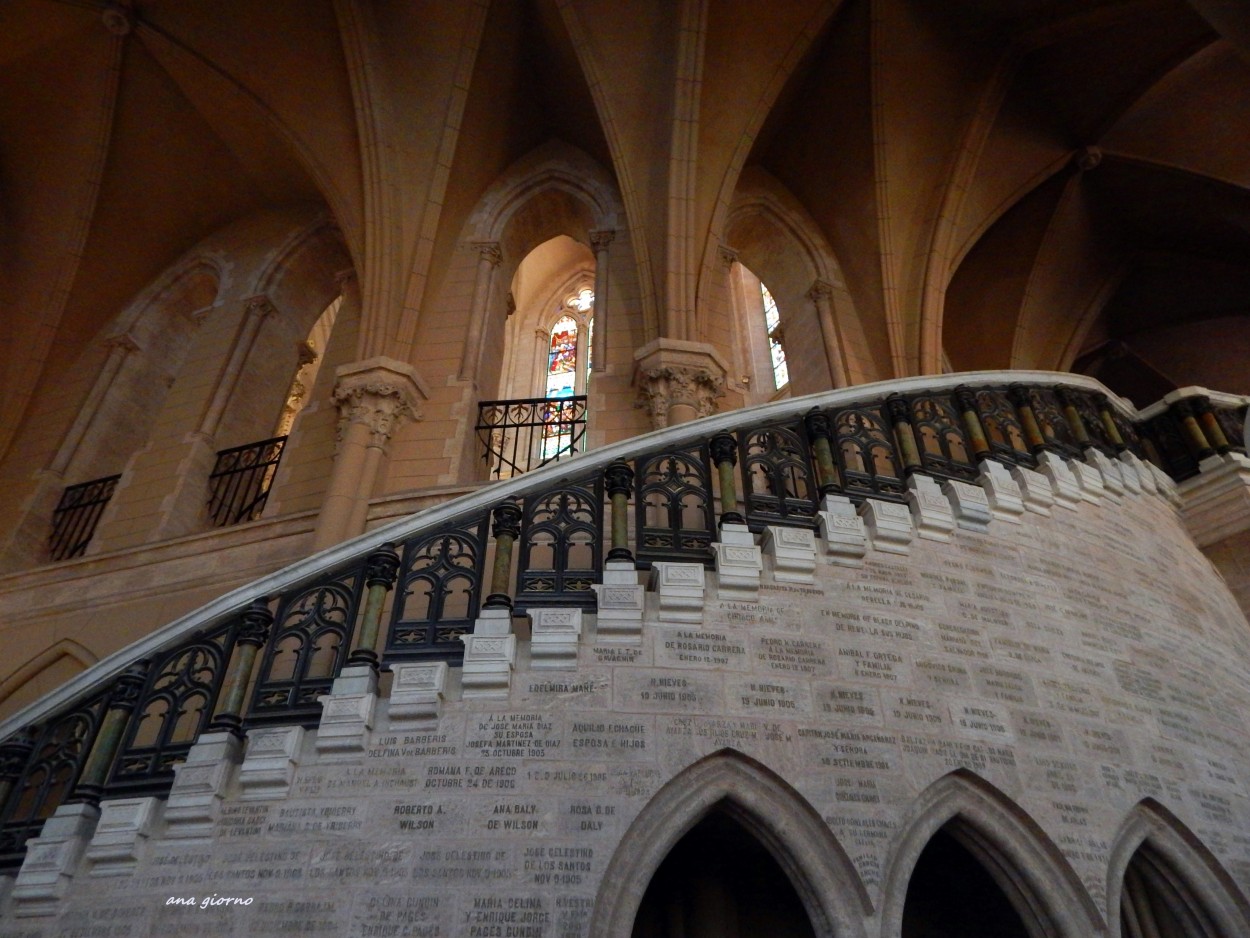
1059	686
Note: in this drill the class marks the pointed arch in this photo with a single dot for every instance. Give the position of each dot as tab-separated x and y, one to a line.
1178	856
1025	864
770	810
301	274
773	235
45	672
554	165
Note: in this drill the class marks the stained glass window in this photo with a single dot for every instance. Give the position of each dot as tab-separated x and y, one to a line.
772	323
562	358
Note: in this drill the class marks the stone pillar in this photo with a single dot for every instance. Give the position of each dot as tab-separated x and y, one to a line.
678	381
821	295
599	241
374	397
488	258
122	702
490	651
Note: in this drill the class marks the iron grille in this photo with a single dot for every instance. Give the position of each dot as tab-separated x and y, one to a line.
517	436
77	514
239	485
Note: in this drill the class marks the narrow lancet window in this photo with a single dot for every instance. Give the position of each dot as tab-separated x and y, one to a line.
772	325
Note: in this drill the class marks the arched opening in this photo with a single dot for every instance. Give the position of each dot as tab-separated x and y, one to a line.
951	895
1157	902
720	882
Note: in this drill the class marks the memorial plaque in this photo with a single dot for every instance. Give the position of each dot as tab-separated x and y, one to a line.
1005	684
841	703
785	654
966	641
946	676
872	625
668	692
574	690
397	915
874	664
597	737
701	648
502	735
769	696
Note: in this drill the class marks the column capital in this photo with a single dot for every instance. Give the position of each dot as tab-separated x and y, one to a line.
822	290
260	306
488	251
727	255
678	381
601	238
379	394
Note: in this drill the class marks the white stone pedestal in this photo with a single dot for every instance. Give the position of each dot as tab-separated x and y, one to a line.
739	564
52	859
489	655
554	634
842	530
200	784
269	767
679	590
1003	492
930	509
416	693
124	827
347	714
969	504
621	602
888	525
791	553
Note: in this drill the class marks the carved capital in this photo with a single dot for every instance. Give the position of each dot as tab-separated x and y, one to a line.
254	624
123	342
599	240
661	388
381	567
821	292
378	394
727	255
489	251
128	687
260	306
618	478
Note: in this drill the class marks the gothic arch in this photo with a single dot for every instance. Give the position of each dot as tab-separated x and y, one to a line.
1030	870
299	275
553	166
1224	910
773	235
60	661
767	807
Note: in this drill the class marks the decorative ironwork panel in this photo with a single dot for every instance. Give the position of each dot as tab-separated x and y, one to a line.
863	444
307	647
561	544
1178	461
239	485
673	506
1003	430
1050	420
779	486
1233	423
520	435
438	593
76	515
52	771
176	705
939	432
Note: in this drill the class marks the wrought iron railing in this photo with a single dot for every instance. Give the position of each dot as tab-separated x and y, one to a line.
76	516
287	636
522	435
239	484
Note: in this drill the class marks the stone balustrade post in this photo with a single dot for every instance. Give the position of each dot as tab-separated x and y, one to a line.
820	432
506	527
724	450
966	402
1018	394
1211	428
618	478
122	702
381	568
900	417
1073	417
252	634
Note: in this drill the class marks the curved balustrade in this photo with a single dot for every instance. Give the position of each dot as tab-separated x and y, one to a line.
121	727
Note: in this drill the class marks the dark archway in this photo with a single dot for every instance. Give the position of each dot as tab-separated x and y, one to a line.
718	881
951	895
1157	901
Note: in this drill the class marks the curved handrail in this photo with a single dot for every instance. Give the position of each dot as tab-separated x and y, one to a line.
356	549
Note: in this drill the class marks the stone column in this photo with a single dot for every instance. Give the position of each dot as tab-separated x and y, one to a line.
599	241
373	397
488	258
678	381
821	295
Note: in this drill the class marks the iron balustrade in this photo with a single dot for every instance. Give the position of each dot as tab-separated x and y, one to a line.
522	435
239	484
76	515
853	443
